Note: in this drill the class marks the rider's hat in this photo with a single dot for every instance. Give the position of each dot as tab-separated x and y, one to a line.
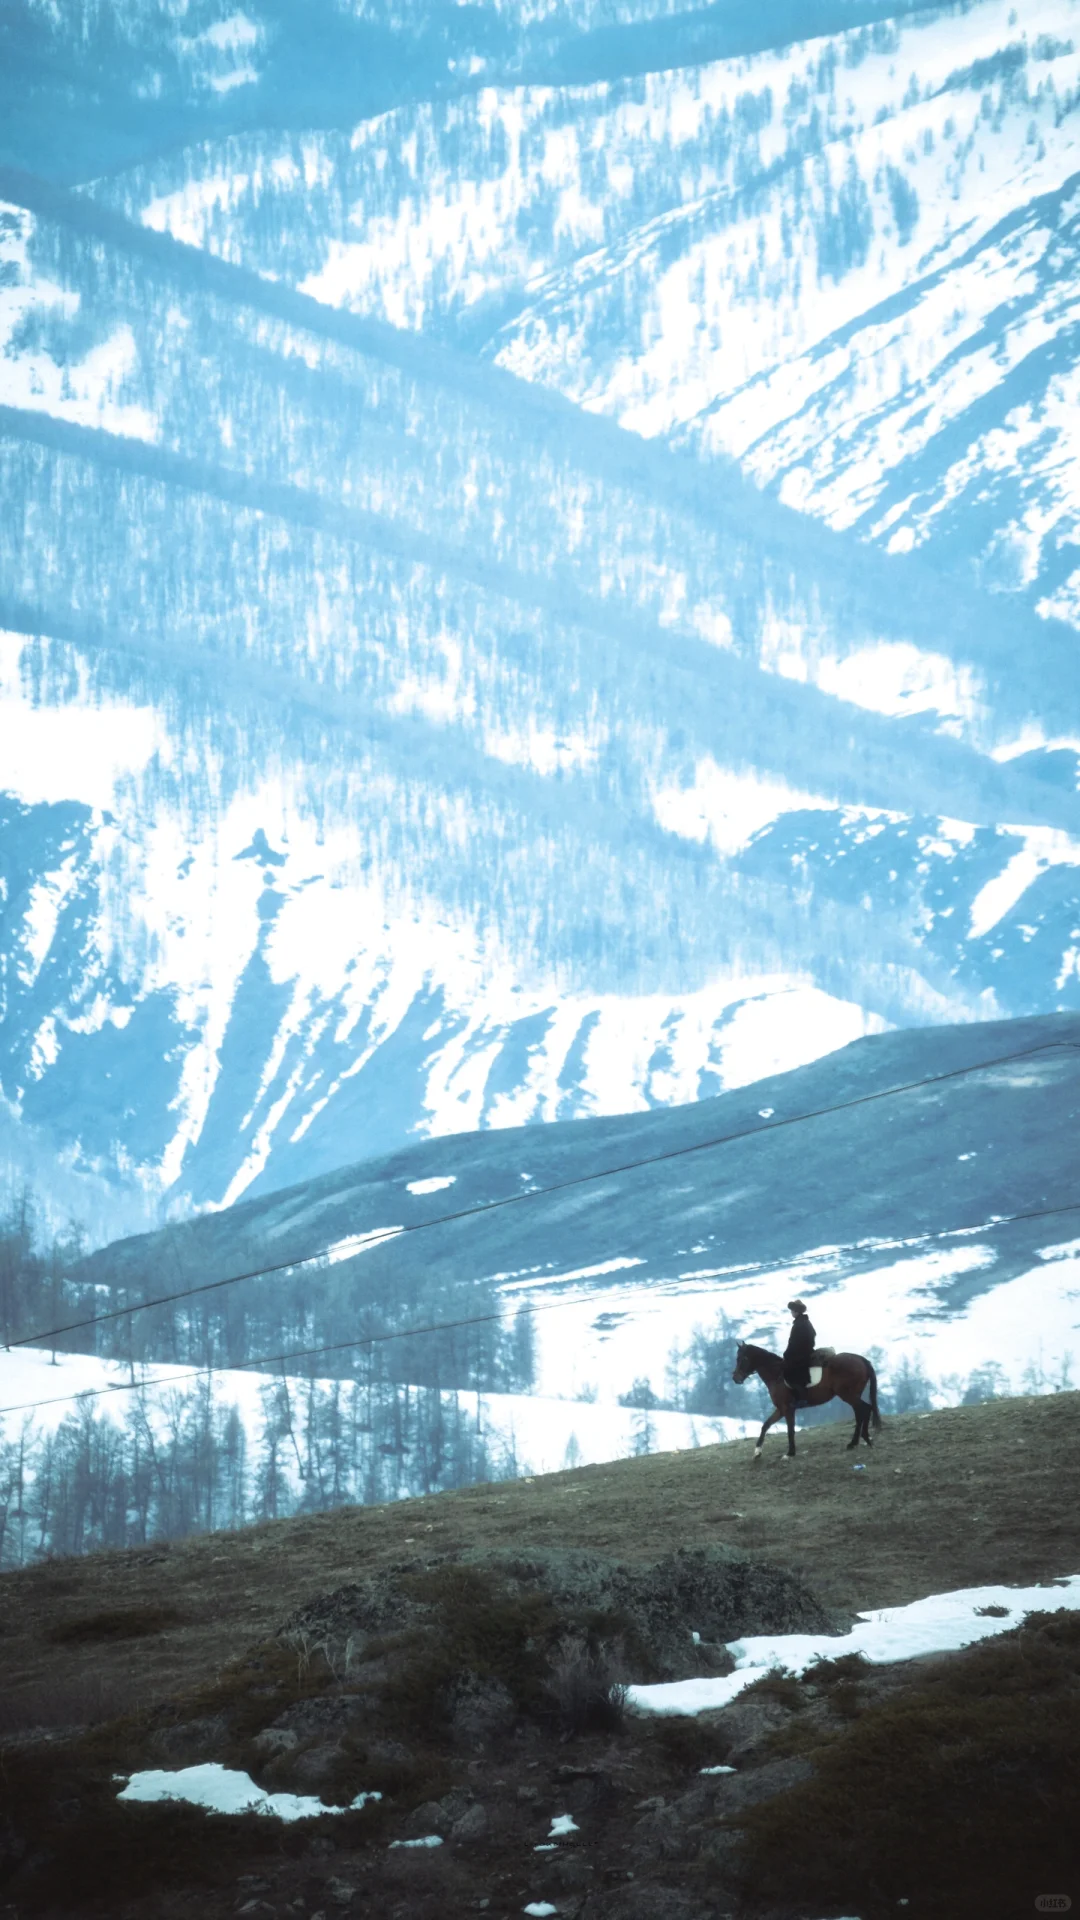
796	1306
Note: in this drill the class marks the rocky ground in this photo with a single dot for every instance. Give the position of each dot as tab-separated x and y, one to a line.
476	1685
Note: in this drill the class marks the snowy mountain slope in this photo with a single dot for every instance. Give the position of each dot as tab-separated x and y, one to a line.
293	810
394	745
918	1189
258	916
84	90
846	261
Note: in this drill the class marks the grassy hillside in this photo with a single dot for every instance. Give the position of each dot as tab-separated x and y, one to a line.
175	1655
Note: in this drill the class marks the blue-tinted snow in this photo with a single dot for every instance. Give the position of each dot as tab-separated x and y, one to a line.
941	1623
220	1789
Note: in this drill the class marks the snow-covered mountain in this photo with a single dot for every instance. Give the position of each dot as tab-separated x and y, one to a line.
413	719
850	262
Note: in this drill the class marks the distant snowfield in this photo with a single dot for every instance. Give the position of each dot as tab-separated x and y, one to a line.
594	1340
538	1433
942	1623
623	1333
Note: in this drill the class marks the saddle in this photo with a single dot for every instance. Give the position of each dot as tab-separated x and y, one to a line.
817	1367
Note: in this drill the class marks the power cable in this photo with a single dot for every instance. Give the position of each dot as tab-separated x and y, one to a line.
377	1236
434	1326
464	1213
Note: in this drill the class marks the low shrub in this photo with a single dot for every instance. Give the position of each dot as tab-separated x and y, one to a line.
956	1796
587	1684
120	1623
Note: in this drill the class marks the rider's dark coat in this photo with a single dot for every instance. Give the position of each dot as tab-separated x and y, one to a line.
798	1351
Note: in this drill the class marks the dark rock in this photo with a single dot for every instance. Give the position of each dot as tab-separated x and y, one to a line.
315	1767
192	1741
647	1901
591	1792
389	1752
570	1872
738	1790
434	1816
470	1825
341	1892
334	1713
747	1724
274	1740
481	1709
716	1592
659	1835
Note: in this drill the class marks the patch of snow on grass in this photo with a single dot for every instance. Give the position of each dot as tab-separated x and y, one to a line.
219	1789
942	1623
573	1273
562	1823
434	1185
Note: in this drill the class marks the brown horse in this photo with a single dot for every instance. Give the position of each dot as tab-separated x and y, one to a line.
845	1376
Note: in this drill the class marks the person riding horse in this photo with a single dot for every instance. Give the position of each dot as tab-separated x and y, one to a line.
799	1351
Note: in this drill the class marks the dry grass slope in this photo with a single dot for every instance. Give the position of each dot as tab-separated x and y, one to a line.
169	1655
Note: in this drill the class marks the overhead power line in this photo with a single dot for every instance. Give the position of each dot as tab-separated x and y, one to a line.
379	1237
361	1341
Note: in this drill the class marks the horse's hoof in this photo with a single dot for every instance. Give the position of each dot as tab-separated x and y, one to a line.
757	1453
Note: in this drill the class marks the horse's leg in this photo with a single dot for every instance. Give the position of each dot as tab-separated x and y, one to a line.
771	1421
790	1412
856	1410
864	1409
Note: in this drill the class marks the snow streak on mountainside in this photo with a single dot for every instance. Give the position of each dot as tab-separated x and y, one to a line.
394	746
850	263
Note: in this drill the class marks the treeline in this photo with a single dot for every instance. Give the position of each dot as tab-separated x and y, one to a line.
180	1461
344	1310
177	1463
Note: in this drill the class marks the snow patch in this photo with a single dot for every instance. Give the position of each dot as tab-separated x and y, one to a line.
219	1789
728	807
355	1243
942	1623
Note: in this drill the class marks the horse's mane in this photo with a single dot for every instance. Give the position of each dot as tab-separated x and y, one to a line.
762	1352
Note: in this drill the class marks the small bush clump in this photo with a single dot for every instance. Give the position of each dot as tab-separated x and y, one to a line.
119	1623
779	1685
588	1686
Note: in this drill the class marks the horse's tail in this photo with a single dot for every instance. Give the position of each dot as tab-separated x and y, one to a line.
875	1417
